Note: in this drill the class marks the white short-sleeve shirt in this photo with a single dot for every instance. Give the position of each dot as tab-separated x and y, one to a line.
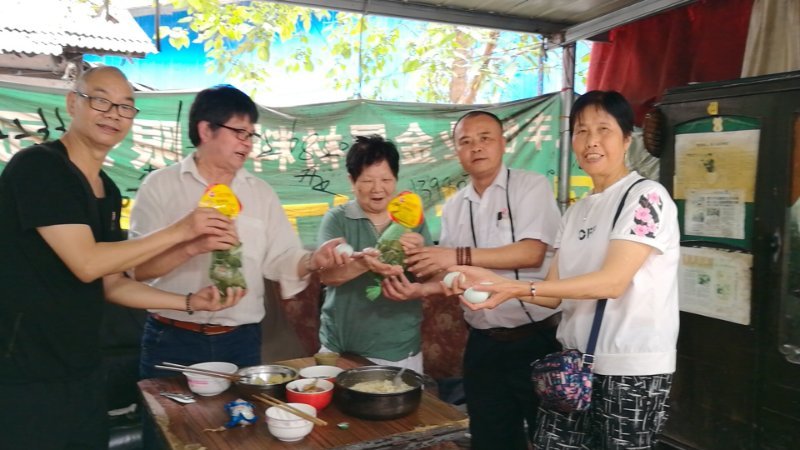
270	246
639	332
535	216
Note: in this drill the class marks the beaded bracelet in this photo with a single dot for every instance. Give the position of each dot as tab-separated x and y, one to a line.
533	290
189	309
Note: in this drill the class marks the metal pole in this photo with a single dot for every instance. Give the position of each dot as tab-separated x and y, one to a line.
157	5
540	86
564	144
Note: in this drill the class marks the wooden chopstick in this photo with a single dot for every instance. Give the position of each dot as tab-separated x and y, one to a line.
198	369
232	376
272	401
211	373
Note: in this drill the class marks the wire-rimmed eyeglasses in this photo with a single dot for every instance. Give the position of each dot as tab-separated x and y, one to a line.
241	134
104	105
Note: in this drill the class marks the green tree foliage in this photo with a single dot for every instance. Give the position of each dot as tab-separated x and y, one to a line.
362	55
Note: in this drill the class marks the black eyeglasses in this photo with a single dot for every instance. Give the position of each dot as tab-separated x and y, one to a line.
241	134
105	105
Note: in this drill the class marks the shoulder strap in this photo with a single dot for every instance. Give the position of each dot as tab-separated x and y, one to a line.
514	237
601	303
622	201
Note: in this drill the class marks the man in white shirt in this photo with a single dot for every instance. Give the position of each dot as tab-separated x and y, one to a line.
505	220
221	126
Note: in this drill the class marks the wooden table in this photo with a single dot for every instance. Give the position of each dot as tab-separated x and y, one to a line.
183	425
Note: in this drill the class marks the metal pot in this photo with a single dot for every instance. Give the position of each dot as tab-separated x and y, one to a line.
256	379
377	406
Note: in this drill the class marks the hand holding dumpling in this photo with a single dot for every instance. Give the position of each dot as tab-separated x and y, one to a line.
483	280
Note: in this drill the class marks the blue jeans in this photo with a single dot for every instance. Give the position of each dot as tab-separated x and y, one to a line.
161	342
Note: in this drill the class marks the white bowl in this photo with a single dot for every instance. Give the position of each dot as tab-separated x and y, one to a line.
288	427
208	385
326	372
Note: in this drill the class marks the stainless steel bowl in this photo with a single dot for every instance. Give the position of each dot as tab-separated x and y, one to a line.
256	379
377	406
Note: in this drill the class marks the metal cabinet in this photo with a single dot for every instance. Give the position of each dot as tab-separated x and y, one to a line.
732	161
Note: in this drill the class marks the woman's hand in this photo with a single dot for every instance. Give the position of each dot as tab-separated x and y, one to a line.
374	264
208	298
480	279
400	288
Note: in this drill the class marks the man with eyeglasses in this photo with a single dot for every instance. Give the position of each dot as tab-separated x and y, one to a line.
62	255
222	128
103	104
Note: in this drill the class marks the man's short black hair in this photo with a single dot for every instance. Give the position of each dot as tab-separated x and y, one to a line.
369	150
475	113
218	104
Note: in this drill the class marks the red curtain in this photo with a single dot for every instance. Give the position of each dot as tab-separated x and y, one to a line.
703	41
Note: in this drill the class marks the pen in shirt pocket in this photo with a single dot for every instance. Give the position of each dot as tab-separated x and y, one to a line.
500	215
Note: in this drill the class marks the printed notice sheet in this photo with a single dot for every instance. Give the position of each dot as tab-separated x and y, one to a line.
715	283
715	212
724	160
715	173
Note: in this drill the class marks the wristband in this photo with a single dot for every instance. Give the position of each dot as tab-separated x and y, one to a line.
189	309
533	290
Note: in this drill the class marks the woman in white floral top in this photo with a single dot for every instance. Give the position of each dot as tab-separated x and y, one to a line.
632	262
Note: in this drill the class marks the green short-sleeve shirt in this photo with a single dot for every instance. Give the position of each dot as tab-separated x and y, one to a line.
350	322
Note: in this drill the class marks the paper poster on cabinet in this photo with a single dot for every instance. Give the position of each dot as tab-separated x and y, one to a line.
723	160
715	213
715	283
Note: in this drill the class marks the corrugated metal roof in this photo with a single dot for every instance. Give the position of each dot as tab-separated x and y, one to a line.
53	27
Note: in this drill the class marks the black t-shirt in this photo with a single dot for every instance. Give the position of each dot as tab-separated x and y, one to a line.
49	319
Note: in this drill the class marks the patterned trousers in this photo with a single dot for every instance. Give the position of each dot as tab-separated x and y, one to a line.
627	412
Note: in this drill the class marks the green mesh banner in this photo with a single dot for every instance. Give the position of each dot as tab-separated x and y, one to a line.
302	153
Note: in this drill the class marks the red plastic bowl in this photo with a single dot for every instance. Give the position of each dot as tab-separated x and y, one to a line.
319	400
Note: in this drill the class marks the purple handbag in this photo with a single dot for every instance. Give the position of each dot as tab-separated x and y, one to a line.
563	380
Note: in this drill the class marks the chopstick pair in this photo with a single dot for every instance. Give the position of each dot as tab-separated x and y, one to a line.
272	401
180	368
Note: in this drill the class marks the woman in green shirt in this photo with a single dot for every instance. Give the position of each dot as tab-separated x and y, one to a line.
382	330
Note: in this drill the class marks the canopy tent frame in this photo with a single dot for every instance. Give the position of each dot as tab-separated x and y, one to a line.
564	33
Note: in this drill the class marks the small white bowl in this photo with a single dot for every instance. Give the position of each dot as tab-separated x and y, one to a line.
206	385
325	372
288	427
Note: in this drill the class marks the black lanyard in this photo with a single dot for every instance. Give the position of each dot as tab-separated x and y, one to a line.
513	235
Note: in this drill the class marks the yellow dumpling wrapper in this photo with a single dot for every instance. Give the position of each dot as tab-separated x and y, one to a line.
221	198
406	209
